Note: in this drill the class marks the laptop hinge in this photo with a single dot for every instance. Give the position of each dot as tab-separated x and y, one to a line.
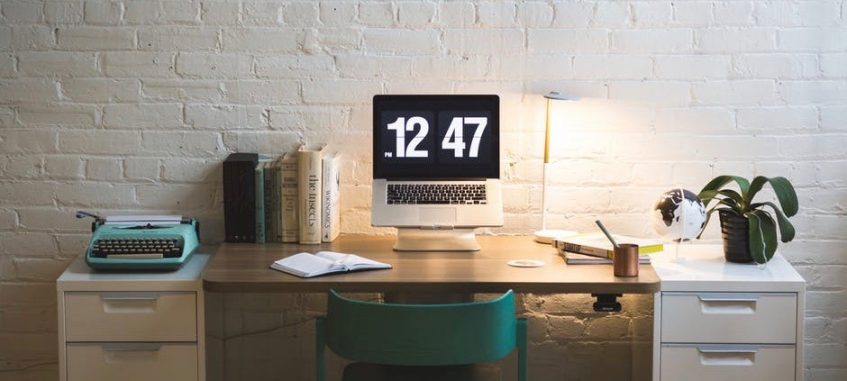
436	239
420	180
438	227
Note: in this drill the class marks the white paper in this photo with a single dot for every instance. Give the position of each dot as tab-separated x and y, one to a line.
144	220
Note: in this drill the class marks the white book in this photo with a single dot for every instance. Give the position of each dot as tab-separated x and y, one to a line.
331	188
306	265
309	169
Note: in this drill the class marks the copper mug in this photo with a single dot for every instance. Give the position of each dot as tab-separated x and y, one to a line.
625	262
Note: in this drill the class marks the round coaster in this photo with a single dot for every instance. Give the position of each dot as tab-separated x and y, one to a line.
526	263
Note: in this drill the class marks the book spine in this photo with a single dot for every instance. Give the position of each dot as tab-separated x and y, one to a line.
651	249
331	219
309	184
290	220
268	200
602	253
587	250
277	216
260	204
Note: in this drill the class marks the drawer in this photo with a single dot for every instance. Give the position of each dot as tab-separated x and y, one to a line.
131	361
131	316
768	318
727	362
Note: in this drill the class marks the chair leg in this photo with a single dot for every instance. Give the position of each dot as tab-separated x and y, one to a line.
522	349
319	348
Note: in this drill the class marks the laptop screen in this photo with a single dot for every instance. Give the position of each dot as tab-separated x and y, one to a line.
436	136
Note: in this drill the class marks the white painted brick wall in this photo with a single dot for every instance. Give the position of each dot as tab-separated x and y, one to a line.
131	105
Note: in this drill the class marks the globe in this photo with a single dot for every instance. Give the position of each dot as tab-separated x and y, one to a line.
679	215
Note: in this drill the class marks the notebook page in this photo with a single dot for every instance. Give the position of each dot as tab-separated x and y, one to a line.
353	262
333	256
305	265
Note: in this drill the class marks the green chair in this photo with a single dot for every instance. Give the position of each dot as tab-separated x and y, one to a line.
419	341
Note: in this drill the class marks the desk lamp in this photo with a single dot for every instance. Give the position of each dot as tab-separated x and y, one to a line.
544	235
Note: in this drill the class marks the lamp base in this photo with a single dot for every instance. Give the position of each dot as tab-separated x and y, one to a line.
547	236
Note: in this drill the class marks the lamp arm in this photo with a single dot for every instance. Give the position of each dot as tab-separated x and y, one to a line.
544	197
547	135
544	172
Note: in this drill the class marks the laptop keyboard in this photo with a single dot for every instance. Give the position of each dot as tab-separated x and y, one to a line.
458	194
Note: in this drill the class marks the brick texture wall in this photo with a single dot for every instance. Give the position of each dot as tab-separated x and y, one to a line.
128	106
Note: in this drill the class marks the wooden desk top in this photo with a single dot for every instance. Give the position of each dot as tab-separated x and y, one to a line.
246	268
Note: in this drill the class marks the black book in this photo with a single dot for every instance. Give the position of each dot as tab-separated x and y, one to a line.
240	197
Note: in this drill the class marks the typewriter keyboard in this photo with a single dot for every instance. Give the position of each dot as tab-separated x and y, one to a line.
148	248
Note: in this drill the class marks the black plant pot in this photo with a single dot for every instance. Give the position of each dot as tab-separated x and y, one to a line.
734	230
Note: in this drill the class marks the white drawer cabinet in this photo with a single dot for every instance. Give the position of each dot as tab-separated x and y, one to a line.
728	362
132	326
131	316
716	320
729	317
132	361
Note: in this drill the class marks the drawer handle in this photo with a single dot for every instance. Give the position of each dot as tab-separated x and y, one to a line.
131	347
727	356
130	302
728	303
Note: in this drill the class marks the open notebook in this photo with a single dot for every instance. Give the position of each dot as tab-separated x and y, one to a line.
307	265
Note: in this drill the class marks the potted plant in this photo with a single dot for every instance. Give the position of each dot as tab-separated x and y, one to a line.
749	228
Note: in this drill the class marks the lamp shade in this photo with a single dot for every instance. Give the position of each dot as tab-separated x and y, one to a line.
559	96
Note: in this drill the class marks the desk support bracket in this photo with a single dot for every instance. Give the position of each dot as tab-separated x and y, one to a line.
607	302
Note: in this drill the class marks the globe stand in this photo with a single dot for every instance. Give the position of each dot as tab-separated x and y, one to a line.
676	257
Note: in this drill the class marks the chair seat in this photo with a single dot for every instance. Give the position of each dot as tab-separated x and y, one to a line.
375	372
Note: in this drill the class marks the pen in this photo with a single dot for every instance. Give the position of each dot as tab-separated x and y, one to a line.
606	232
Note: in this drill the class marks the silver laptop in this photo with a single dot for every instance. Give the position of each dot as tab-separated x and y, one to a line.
436	161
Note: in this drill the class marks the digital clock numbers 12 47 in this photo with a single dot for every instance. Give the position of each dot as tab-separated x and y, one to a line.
451	138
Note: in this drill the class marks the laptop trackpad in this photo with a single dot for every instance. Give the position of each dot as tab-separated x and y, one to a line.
437	216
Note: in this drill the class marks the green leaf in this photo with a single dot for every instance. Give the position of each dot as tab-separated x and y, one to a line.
756	239
768	228
718	182
784	193
786	229
707	196
729	193
730	203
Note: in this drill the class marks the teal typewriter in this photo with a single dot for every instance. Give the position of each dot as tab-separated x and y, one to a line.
141	242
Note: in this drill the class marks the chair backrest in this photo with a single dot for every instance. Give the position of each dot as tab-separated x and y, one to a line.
421	334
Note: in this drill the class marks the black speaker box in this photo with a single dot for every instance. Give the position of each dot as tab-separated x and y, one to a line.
240	197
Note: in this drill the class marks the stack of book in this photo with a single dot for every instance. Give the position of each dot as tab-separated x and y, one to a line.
595	248
293	198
